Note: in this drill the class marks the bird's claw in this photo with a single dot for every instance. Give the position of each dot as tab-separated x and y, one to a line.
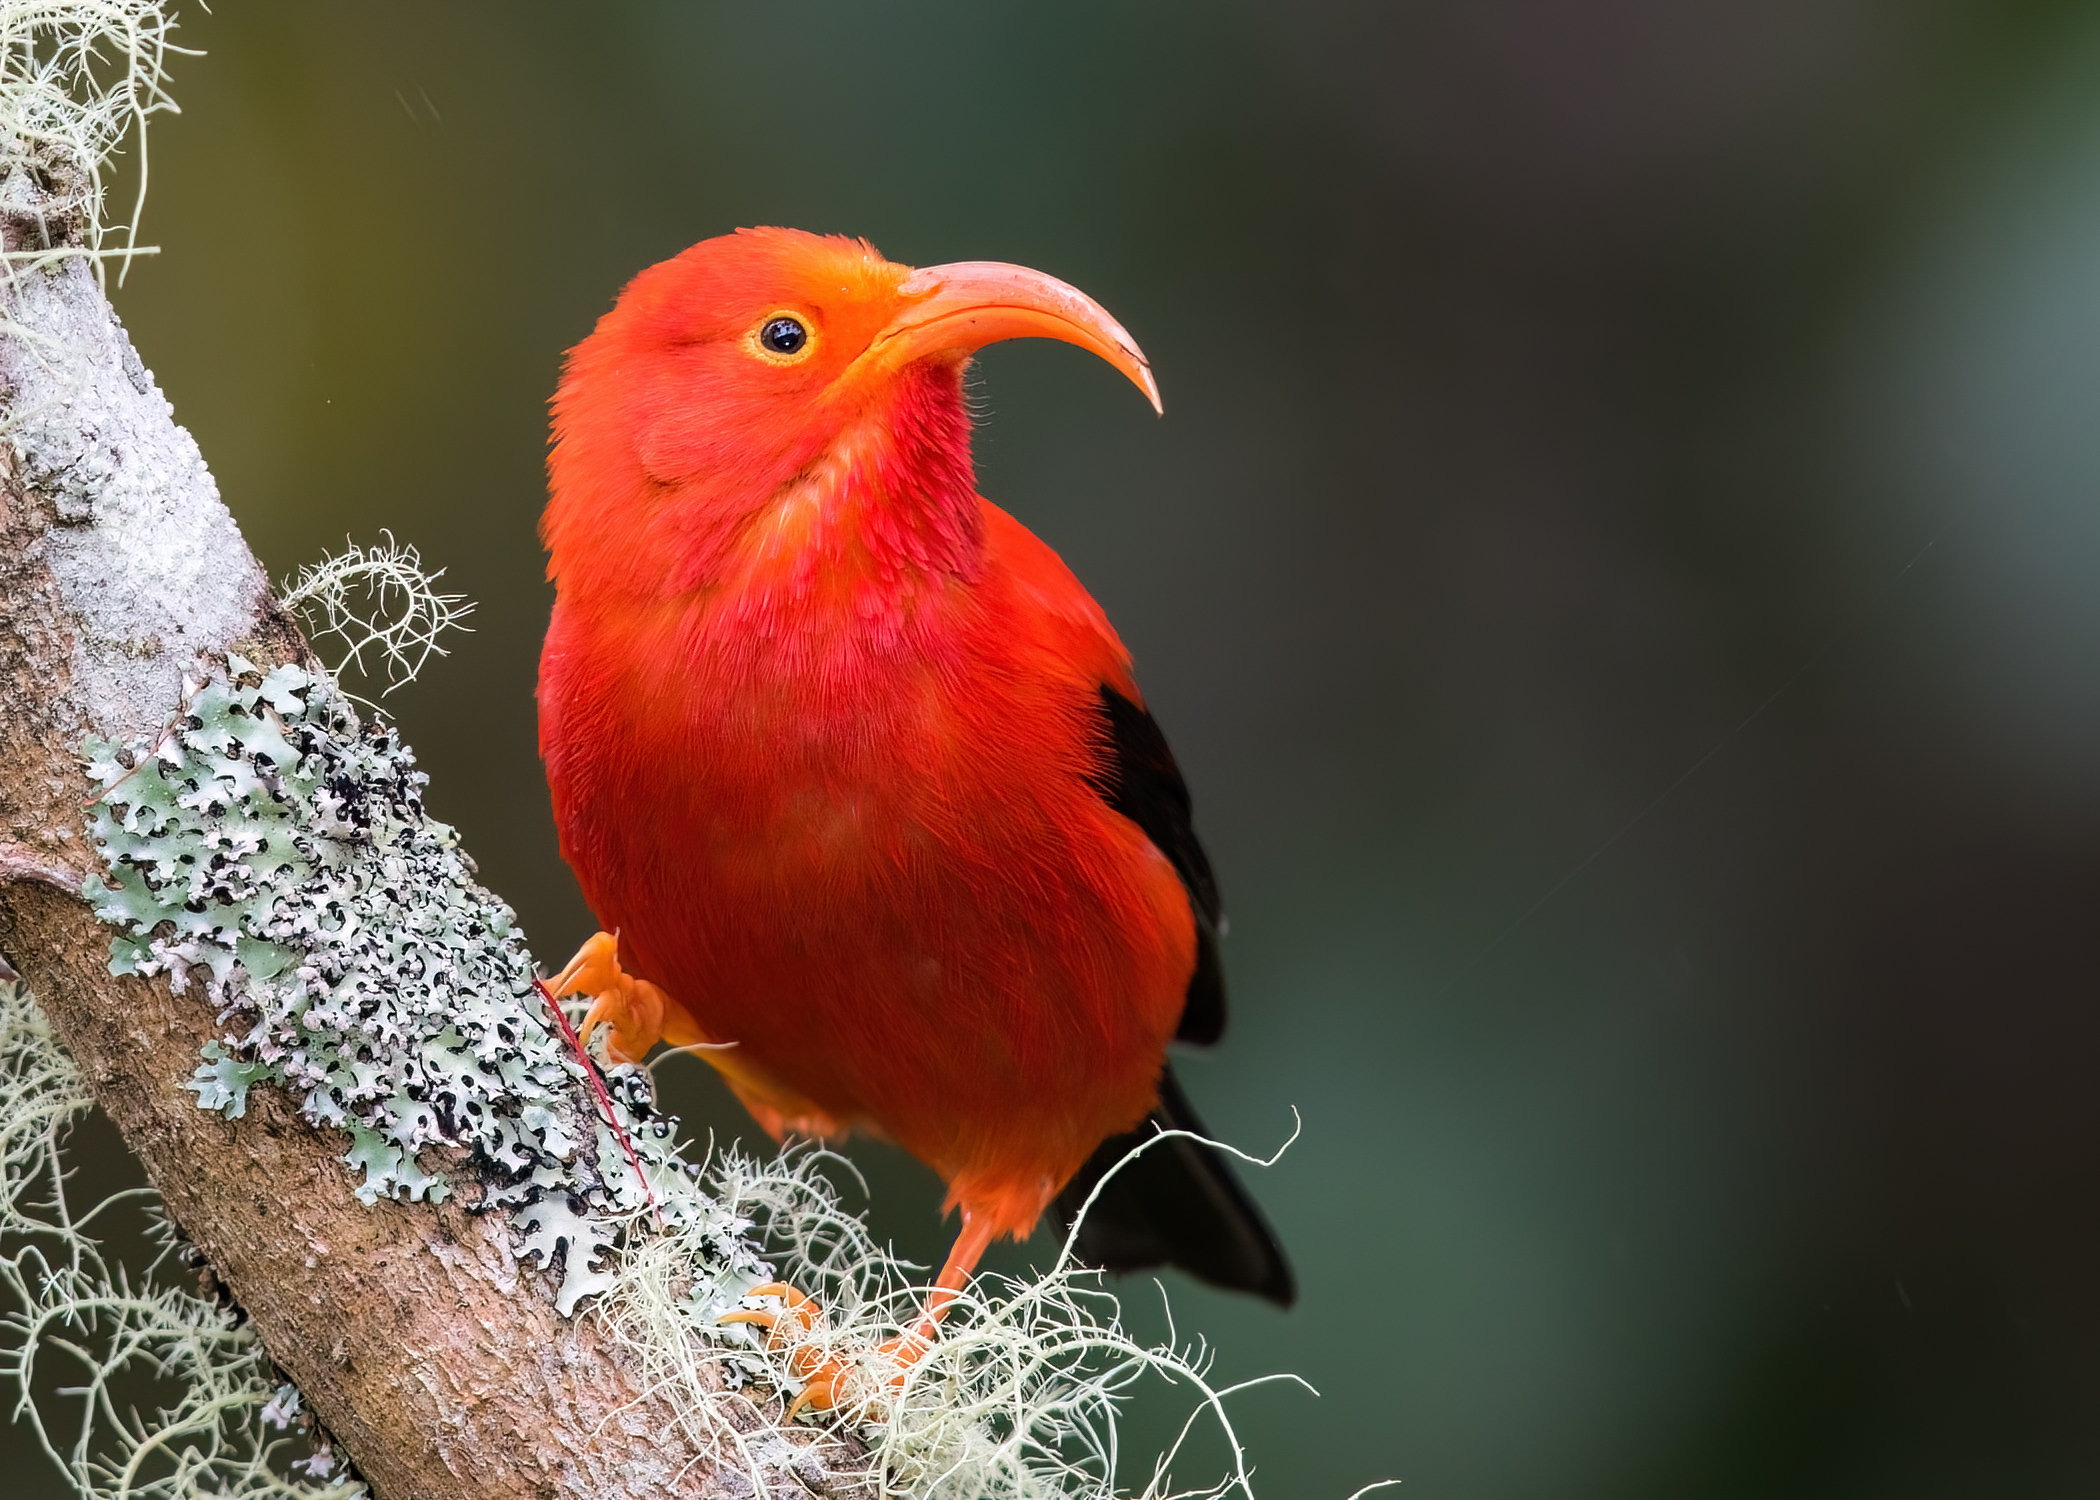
633	1008
822	1373
796	1308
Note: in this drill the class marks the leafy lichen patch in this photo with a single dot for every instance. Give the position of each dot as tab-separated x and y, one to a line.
272	849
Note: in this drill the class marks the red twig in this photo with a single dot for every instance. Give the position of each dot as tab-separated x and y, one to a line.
151	754
604	1097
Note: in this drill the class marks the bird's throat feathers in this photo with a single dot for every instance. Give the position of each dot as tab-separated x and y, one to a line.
860	512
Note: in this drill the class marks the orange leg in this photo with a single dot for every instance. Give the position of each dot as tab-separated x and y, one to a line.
968	1249
797	1316
633	1008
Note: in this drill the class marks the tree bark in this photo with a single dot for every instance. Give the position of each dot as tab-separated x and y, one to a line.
419	1342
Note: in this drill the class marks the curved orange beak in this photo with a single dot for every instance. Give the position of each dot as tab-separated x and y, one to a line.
962	307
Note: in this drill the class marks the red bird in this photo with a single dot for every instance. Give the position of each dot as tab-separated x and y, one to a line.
855	768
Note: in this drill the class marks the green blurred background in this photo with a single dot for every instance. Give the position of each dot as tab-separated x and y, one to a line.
1619	570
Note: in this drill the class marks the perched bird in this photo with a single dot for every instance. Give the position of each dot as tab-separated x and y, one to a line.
852	770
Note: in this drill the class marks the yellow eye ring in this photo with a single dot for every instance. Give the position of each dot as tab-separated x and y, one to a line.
783	338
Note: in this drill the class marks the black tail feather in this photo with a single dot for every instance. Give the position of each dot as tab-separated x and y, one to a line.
1178	1204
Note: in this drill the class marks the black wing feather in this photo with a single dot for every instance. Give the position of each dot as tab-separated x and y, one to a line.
1142	782
1180	1203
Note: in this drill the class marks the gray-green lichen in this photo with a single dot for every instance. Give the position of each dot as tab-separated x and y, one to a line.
273	850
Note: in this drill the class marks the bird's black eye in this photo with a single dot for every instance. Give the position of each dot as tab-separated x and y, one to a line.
783	336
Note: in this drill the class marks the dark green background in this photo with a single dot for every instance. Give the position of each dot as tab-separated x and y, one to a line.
1618	568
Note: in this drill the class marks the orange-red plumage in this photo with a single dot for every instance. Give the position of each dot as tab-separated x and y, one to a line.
823	727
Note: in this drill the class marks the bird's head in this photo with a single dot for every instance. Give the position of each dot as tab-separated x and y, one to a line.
729	374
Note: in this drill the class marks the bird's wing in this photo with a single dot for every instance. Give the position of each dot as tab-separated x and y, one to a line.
1180	1202
1140	780
1137	776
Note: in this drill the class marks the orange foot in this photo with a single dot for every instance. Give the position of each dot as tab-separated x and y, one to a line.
633	1008
820	1372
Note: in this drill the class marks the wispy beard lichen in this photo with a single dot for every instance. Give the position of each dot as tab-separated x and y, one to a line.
97	1331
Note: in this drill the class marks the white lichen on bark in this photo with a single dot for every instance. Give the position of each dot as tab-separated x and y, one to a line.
149	566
